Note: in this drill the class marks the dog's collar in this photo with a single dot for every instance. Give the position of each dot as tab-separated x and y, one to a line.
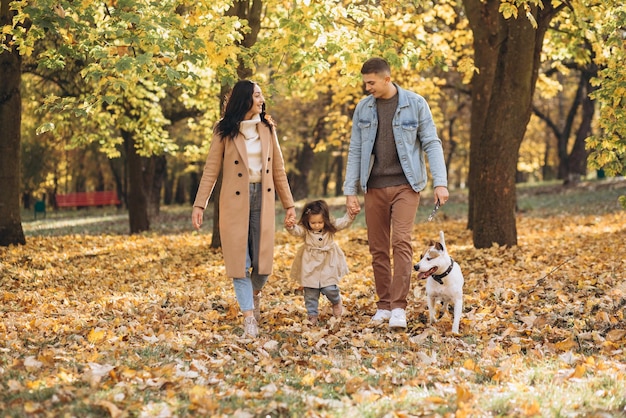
438	277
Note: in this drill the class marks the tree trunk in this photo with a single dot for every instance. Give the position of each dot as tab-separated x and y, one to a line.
117	168
11	232
154	176
339	175
573	164
577	160
136	197
507	55
564	135
299	181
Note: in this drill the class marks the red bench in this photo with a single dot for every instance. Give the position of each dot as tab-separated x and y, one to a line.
87	199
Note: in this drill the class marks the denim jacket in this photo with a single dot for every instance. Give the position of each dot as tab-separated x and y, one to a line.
415	134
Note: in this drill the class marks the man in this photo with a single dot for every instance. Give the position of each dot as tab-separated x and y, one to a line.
392	128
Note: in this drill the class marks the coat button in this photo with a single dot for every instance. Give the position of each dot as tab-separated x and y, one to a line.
236	161
240	175
269	189
267	171
237	193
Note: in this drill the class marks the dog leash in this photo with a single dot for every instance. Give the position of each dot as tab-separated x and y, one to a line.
434	212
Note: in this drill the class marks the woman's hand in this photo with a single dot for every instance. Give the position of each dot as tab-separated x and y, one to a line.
290	217
196	217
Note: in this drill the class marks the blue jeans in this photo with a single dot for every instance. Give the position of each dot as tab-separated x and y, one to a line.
245	286
312	296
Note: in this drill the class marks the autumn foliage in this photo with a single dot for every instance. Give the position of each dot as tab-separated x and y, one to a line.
148	326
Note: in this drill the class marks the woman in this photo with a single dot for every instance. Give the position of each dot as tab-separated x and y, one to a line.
245	147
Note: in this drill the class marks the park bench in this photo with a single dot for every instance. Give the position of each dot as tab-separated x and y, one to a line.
80	199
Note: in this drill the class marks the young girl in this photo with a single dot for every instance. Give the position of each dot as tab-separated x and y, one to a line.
319	263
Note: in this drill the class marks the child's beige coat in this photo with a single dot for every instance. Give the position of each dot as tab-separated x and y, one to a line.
319	262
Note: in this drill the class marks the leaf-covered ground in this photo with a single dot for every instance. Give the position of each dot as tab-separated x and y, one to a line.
148	326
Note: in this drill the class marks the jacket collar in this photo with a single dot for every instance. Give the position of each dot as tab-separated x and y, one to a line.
403	100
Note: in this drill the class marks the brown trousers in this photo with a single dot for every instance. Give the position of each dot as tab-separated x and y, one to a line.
389	215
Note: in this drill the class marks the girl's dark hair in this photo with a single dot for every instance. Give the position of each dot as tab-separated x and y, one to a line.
317	207
238	104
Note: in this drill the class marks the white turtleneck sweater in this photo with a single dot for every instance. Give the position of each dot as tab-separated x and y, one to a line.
253	146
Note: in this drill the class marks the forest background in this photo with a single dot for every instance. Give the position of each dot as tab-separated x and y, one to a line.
123	95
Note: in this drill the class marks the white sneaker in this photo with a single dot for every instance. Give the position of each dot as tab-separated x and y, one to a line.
381	315
398	318
250	327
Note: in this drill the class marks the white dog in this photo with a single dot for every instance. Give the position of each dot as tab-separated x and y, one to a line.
444	280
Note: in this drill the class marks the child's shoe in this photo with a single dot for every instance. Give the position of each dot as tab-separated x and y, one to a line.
338	310
312	319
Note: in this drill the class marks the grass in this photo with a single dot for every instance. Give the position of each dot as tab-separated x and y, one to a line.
535	200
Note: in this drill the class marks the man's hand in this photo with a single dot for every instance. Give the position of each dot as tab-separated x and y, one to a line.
441	195
353	207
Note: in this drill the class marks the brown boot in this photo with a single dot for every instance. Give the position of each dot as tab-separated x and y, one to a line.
338	309
312	319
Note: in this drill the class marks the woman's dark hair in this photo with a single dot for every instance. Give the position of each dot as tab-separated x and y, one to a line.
238	104
317	207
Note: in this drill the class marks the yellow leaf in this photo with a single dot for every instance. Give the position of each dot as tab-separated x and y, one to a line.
469	364
308	380
615	335
111	408
463	395
566	344
436	400
32	407
197	394
578	372
96	335
531	409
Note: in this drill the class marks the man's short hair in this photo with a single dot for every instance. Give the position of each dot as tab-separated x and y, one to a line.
375	66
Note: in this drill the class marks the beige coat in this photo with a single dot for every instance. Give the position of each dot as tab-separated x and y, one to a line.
231	156
319	262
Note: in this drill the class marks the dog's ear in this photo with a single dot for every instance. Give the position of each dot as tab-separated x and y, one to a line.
439	246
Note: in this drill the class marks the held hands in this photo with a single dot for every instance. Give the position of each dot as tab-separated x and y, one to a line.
290	218
353	207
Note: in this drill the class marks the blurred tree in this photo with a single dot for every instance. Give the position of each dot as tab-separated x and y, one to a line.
11	231
507	55
608	146
129	55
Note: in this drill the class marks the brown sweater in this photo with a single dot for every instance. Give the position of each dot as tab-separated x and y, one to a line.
386	171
